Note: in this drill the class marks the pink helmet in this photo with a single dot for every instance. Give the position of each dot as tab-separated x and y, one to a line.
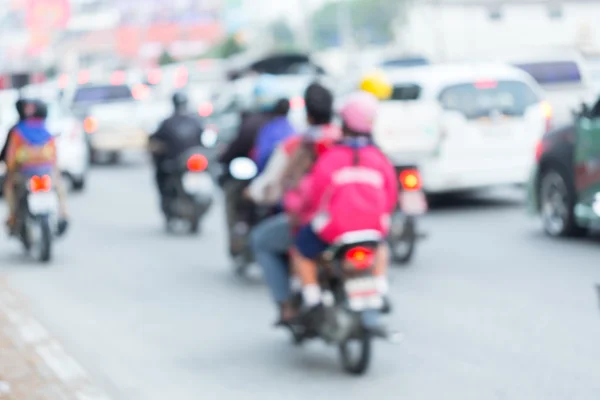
358	112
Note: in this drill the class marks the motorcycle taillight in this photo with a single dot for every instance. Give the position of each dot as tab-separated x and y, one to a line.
197	163
410	179
40	183
360	257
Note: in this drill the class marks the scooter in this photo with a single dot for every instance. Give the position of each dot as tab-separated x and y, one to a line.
242	170
412	204
352	304
37	223
190	189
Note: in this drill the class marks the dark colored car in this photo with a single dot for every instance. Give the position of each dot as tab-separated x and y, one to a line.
564	188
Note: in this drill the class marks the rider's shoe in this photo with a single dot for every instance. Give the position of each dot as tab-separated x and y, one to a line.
63	225
387	305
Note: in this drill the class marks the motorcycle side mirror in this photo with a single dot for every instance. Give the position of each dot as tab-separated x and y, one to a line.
243	169
209	138
584	110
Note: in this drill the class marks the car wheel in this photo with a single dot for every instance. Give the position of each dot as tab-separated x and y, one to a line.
557	204
78	184
114	158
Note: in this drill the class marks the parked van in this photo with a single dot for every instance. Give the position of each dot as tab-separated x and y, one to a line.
466	126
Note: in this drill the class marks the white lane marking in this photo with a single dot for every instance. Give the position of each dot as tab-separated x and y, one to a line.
4	388
91	394
63	366
32	332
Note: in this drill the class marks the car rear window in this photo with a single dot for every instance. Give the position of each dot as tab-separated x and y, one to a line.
102	94
481	99
555	72
405	62
405	92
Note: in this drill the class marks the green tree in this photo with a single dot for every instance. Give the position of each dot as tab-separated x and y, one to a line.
231	46
226	48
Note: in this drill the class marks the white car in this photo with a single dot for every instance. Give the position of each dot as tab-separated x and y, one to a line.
465	126
72	148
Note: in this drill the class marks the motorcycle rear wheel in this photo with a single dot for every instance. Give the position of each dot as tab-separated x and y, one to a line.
41	249
359	365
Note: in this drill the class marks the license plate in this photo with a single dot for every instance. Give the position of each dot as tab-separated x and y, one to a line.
42	203
413	203
363	294
197	183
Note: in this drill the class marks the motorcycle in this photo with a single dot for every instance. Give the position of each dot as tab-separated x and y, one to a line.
190	189
412	203
36	217
241	171
352	303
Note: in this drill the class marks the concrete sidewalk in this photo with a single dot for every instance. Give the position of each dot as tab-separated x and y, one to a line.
34	365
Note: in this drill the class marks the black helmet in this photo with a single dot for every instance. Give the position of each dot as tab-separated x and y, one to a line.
41	109
180	99
20	106
318	101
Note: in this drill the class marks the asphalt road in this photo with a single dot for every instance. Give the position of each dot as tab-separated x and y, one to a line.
490	308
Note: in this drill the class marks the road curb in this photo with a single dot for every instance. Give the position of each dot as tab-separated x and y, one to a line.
33	364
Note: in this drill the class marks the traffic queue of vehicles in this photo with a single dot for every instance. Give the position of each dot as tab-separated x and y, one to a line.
461	126
446	128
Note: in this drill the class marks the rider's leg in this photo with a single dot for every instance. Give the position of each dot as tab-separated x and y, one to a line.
308	248
270	242
9	195
382	259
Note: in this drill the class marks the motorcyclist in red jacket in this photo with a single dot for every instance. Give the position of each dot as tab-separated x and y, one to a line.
351	187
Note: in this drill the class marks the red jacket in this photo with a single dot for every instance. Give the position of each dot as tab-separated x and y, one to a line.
347	190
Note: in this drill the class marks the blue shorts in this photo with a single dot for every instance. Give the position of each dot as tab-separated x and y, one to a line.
309	244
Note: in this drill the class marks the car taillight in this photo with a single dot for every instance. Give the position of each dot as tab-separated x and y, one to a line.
40	183
83	77
360	257
197	163
482	85
539	150
410	179
90	125
118	78
205	109
548	114
140	91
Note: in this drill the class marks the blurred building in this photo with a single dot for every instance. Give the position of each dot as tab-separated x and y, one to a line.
138	32
457	29
70	34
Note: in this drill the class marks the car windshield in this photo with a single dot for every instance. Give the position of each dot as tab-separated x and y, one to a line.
102	94
554	72
405	92
480	99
